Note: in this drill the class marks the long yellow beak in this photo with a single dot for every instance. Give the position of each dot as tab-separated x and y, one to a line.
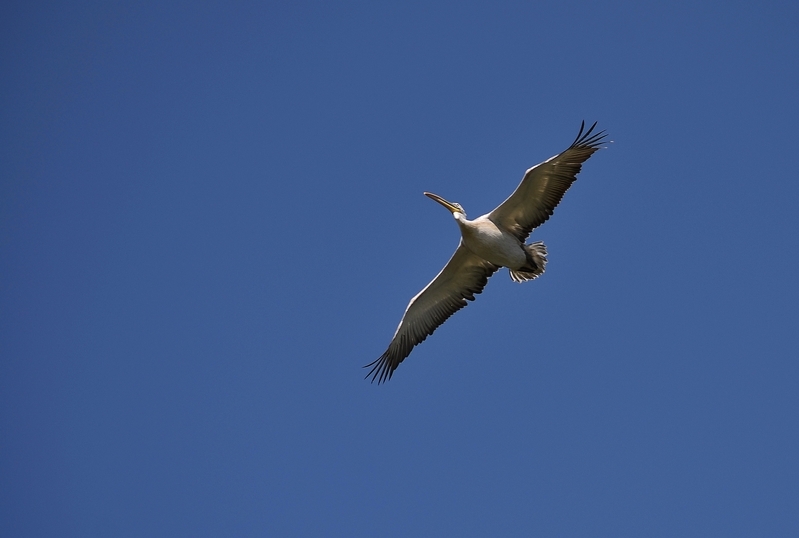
452	207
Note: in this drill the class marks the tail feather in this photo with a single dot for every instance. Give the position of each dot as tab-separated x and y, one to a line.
536	263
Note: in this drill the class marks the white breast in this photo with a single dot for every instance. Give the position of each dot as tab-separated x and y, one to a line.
491	243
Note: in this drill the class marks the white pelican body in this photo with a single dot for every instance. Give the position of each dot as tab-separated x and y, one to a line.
497	239
494	243
483	237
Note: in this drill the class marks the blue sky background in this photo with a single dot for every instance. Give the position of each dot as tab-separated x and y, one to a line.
211	216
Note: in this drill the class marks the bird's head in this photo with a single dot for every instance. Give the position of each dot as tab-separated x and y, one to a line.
452	206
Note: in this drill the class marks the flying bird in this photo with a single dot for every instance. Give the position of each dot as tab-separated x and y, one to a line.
494	240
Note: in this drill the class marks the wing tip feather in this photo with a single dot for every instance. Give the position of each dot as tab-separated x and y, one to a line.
588	140
381	369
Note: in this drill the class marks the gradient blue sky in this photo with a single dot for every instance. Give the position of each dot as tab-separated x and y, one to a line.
211	216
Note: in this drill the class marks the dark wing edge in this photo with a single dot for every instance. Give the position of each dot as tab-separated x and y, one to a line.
464	276
543	186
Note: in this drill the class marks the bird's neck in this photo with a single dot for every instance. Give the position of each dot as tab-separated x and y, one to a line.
461	221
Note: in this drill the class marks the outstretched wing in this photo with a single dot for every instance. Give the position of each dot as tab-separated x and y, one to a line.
464	276
543	186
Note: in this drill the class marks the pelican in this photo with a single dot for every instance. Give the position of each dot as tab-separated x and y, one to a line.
494	240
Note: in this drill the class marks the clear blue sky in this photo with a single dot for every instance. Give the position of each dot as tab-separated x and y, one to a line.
211	216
